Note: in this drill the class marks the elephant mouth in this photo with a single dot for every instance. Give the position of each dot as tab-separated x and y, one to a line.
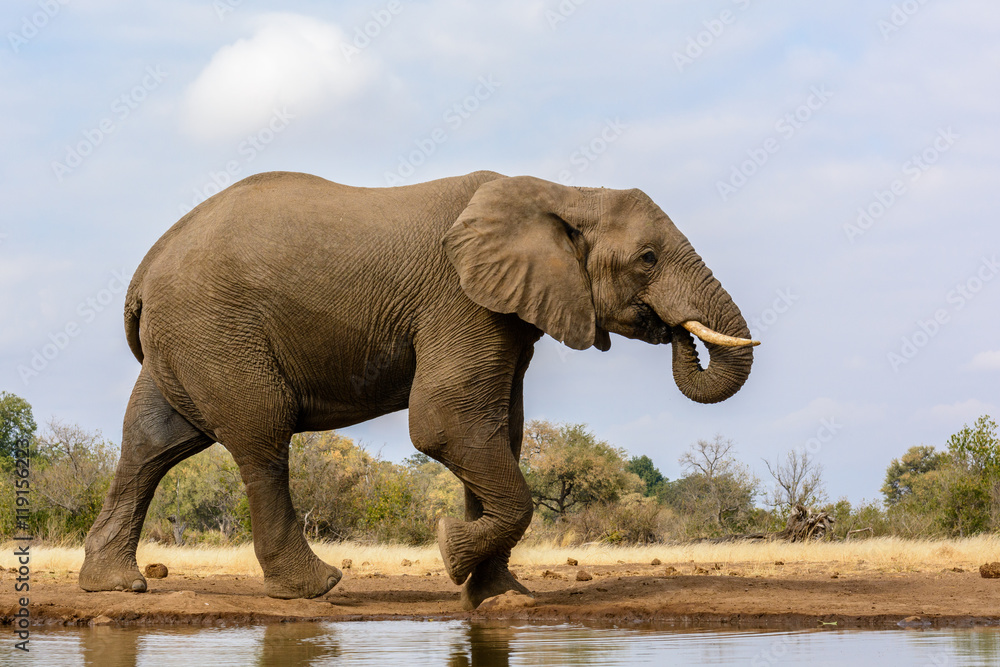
652	329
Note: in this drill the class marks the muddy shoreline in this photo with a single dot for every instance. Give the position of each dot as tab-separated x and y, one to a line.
633	595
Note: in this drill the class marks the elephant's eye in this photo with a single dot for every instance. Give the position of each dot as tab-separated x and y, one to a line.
649	257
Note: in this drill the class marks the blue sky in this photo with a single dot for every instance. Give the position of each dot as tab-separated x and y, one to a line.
835	165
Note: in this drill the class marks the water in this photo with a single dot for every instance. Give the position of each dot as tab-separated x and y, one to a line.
464	644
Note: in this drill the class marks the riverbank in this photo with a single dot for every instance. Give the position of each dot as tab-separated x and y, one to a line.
870	584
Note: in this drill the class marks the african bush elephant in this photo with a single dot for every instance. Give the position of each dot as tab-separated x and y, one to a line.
288	303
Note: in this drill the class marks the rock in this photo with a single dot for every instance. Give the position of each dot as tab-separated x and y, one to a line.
572	561
549	574
583	575
990	570
156	571
779	562
509	600
406	563
101	620
656	561
346	564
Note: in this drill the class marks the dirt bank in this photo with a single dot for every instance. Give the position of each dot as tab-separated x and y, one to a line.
705	594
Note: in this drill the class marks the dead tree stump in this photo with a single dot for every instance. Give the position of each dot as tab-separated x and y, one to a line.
803	525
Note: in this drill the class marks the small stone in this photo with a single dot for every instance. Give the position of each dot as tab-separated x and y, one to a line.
572	561
913	622
583	575
509	600
779	562
346	564
990	570
405	563
101	620
656	561
180	594
156	571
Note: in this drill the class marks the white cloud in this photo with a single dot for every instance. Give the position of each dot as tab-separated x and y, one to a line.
985	361
291	61
964	411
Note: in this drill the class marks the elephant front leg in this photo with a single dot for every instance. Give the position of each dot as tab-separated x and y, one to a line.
492	576
481	458
506	514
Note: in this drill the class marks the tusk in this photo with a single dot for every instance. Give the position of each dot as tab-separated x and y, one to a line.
710	336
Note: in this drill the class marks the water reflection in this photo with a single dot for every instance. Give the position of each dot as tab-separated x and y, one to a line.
463	644
483	646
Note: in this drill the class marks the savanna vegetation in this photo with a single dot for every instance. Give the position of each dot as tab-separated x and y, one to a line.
585	490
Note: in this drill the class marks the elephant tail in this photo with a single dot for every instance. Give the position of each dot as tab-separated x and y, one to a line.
133	307
133	299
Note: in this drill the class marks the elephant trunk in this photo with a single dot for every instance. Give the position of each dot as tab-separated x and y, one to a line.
721	327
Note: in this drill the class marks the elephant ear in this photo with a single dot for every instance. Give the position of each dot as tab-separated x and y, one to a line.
514	253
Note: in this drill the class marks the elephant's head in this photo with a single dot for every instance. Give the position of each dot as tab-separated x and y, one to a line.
581	262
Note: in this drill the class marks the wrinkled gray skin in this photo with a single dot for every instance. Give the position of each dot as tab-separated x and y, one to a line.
288	303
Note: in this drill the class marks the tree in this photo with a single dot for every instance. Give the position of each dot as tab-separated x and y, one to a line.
17	424
798	481
654	480
72	475
972	502
977	449
908	476
718	490
204	494
568	469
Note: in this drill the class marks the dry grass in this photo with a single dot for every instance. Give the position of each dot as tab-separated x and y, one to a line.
887	554
879	554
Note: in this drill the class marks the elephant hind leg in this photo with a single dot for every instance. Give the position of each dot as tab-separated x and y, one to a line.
291	569
155	438
258	435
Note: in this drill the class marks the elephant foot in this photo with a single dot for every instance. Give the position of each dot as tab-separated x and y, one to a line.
487	582
457	551
317	580
100	574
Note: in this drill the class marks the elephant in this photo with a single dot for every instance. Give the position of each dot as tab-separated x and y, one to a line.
288	303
